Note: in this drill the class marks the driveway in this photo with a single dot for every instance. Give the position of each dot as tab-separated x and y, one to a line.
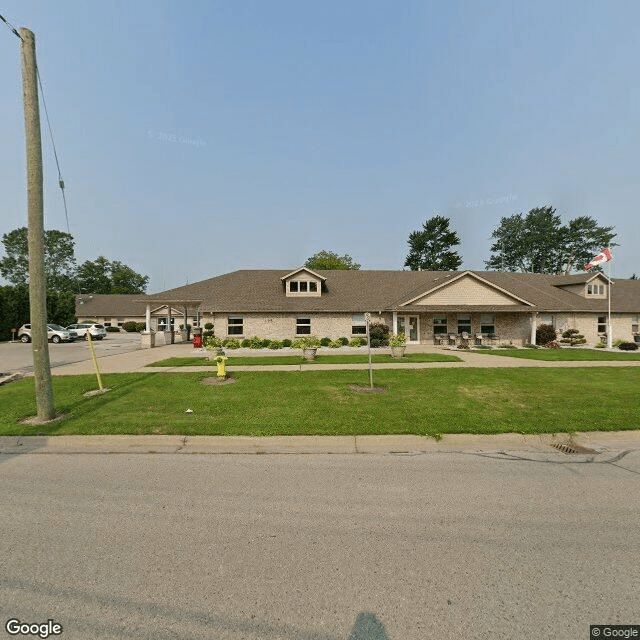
16	357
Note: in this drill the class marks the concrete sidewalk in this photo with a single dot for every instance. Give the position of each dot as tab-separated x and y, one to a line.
604	446
138	361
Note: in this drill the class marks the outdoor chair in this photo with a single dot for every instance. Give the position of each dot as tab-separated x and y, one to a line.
464	340
453	339
479	337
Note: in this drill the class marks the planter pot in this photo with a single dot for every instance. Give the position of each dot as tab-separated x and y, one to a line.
309	354
397	352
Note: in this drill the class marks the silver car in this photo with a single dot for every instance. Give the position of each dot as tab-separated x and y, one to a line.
55	333
97	331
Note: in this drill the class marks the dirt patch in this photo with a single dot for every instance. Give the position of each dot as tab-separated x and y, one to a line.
218	382
34	420
356	388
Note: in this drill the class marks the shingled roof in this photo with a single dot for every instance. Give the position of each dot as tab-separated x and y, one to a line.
352	291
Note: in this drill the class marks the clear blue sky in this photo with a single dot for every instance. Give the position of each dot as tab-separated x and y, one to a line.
199	137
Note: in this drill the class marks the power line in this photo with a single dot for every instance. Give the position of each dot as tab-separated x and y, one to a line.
10	26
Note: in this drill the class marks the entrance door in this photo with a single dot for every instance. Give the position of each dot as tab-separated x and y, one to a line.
410	326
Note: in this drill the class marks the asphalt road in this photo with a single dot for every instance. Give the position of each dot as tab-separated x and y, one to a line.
350	547
17	357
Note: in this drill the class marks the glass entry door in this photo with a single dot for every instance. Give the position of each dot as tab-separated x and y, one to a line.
410	326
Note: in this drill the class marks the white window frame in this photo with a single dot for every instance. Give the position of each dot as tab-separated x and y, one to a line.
359	322
303	323
235	324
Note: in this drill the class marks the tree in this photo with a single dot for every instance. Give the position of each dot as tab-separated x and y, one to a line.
330	260
105	276
431	248
59	258
540	243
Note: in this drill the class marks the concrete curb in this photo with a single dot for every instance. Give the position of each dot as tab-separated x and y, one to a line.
508	443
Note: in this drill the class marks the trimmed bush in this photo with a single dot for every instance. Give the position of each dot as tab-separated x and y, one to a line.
207	334
231	343
377	342
357	342
572	337
286	342
266	343
245	343
113	329
343	341
335	344
628	346
275	344
129	327
208	326
325	342
140	326
545	333
255	342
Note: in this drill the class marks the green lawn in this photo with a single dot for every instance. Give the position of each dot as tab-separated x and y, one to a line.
293	359
561	354
429	402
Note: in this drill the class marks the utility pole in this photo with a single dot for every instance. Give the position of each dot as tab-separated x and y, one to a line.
35	203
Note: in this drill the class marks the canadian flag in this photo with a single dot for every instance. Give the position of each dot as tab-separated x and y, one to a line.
605	256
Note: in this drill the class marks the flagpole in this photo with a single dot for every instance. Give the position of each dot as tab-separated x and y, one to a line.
609	327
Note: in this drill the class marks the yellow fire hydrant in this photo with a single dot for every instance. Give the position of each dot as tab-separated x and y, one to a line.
220	360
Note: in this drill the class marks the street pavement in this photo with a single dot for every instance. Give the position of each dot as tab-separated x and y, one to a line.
424	546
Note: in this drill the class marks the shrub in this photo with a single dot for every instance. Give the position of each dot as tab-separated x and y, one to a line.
335	344
325	342
308	342
628	346
357	342
600	345
208	326
275	344
255	342
140	326
207	334
617	343
399	340
113	329
231	343
572	337
545	333
246	343
377	342
211	342
266	343
130	327
286	342
378	331
344	341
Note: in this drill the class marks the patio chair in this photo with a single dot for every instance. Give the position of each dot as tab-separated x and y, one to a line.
464	340
479	337
453	339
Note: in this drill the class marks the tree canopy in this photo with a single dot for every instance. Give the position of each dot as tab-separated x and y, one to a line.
330	260
431	249
540	243
105	276
98	276
59	258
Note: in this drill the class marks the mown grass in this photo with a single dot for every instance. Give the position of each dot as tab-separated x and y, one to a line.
566	354
296	359
425	402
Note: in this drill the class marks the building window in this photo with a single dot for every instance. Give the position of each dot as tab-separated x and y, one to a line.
595	289
439	325
303	326
602	324
635	321
487	324
235	326
313	287
464	324
293	286
303	286
358	324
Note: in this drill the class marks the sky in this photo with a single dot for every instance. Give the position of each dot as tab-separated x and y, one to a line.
200	137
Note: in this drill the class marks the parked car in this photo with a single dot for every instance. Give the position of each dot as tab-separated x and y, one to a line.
55	333
97	331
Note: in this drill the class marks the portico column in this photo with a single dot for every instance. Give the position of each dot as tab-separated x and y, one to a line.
395	323
533	327
147	318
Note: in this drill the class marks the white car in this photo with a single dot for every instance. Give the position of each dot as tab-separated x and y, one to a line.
97	331
55	333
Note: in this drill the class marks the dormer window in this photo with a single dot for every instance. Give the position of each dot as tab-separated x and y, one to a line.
595	289
303	282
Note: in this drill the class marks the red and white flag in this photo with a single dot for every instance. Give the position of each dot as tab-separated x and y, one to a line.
605	256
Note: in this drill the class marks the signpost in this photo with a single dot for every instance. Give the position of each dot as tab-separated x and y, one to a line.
367	317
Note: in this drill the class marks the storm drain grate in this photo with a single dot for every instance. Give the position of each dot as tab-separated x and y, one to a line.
572	448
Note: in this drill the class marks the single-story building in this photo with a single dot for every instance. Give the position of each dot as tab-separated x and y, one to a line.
428	306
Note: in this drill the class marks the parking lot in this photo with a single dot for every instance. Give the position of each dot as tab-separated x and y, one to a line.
16	357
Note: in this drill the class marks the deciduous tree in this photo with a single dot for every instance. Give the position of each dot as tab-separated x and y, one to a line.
330	260
431	249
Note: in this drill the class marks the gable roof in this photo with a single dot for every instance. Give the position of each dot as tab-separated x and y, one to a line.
297	271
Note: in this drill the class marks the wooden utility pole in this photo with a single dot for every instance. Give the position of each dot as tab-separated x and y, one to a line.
35	203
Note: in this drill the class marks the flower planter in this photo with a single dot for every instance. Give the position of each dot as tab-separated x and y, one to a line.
309	354
397	352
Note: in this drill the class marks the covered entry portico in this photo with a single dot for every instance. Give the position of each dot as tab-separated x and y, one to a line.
151	338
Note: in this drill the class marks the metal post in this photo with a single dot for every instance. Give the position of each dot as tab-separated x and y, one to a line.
35	202
367	317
